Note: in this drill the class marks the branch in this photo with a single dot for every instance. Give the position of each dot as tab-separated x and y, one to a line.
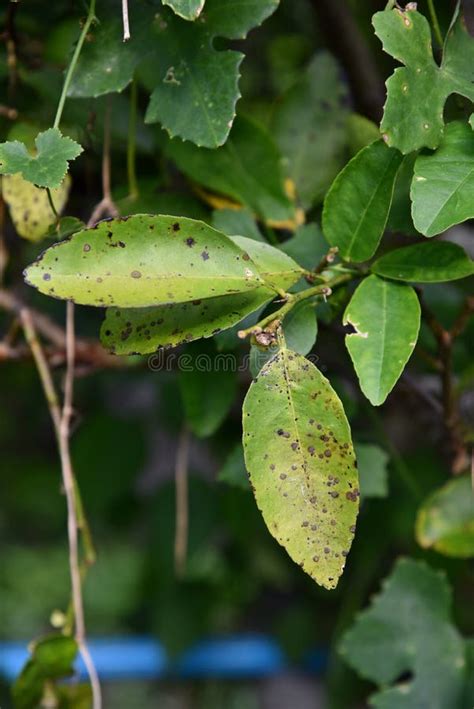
182	512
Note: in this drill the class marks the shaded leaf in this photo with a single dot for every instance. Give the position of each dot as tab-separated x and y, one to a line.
356	207
372	464
187	9
429	262
445	521
386	320
400	217
233	471
307	246
299	455
309	126
144	330
45	169
408	122
300	327
361	131
238	222
442	190
143	260
29	206
247	169
408	629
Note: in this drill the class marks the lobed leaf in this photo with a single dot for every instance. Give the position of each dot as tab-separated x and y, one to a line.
429	262
445	521
45	169
357	206
386	320
407	630
442	190
187	9
299	456
410	123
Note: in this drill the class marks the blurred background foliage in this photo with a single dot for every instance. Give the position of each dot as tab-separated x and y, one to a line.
129	419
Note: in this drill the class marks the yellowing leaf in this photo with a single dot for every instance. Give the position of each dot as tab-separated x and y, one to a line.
29	206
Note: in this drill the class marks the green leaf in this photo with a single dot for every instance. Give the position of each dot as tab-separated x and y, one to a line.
307	246
187	9
309	125
300	327
247	169
52	658
48	167
408	629
400	217
144	330
428	262
417	92
356	207
445	521
208	388
386	320
275	267
194	87
442	190
143	260
360	132
299	455
372	464
238	222
233	471
197	88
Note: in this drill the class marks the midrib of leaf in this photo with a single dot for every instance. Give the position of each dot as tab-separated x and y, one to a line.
453	194
293	412
384	324
367	208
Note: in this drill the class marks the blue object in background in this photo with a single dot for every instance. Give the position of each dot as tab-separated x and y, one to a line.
144	658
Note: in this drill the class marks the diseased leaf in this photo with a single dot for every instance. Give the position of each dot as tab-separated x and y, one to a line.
45	169
386	320
408	122
309	125
408	629
429	262
144	330
187	9
275	267
445	521
299	455
29	206
356	207
144	260
372	466
442	190
247	169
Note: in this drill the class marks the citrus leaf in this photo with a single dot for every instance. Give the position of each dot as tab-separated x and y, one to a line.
29	206
314	152
307	245
275	267
408	629
300	459
445	521
236	222
144	330
233	470
429	262
408	123
45	169
187	9
143	260
247	169
357	206
300	327
442	190
386	320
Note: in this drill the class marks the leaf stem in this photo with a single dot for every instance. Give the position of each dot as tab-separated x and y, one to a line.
435	23
132	142
292	299
182	511
72	64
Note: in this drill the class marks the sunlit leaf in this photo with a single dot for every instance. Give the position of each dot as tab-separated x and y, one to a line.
187	9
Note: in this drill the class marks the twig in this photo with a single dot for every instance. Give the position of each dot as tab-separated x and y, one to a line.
3	246
126	23
182	512
132	142
327	259
435	23
61	420
106	206
10	42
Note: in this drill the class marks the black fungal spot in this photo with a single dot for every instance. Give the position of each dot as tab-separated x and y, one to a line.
190	241
176	226
86	247
46	277
205	255
136	274
283	433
